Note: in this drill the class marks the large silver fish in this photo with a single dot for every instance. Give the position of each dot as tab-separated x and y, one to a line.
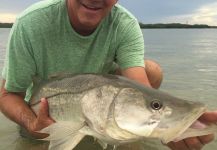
114	110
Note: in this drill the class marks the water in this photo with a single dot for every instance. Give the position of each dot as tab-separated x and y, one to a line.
4	33
188	58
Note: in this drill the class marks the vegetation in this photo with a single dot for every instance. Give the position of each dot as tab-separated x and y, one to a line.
174	25
6	25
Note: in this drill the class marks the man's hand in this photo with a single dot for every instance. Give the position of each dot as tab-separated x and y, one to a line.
196	143
42	120
13	106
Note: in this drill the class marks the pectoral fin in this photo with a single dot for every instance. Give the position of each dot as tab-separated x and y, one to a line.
60	130
103	144
87	131
67	143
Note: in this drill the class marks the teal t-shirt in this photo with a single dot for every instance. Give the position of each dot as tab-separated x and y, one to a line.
42	42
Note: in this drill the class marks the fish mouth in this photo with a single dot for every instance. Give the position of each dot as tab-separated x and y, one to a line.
183	125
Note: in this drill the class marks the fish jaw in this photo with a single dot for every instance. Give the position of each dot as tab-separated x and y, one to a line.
171	134
198	129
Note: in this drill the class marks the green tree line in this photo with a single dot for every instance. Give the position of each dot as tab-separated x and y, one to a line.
6	25
174	25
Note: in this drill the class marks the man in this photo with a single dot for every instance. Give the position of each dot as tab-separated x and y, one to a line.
77	36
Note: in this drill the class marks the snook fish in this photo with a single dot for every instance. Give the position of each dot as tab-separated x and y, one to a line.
114	110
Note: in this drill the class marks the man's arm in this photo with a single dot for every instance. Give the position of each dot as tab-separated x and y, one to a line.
15	108
138	74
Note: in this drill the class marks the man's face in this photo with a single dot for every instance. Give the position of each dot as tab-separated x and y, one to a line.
89	13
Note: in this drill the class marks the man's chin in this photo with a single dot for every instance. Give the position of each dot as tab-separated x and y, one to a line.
89	25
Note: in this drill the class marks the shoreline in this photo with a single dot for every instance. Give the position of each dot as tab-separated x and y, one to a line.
151	26
175	26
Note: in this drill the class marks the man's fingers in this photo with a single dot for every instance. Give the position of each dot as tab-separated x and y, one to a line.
209	117
194	143
180	145
206	139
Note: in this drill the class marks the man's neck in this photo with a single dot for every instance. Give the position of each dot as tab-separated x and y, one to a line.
79	28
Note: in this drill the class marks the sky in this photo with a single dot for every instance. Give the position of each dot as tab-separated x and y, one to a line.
147	11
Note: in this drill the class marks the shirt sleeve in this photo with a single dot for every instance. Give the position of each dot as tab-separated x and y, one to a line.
130	52
19	65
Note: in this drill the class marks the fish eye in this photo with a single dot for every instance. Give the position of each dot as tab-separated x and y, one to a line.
156	105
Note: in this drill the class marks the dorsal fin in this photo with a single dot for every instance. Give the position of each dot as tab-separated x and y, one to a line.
61	75
36	80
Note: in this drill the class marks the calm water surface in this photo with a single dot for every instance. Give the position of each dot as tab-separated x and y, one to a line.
188	58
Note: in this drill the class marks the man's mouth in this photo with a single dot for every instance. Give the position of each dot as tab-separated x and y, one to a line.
92	7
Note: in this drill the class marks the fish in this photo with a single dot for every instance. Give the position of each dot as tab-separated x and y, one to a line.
114	110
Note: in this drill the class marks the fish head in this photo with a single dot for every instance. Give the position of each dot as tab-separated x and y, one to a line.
151	113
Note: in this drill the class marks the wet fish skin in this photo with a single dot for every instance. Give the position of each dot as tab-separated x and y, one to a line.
113	109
